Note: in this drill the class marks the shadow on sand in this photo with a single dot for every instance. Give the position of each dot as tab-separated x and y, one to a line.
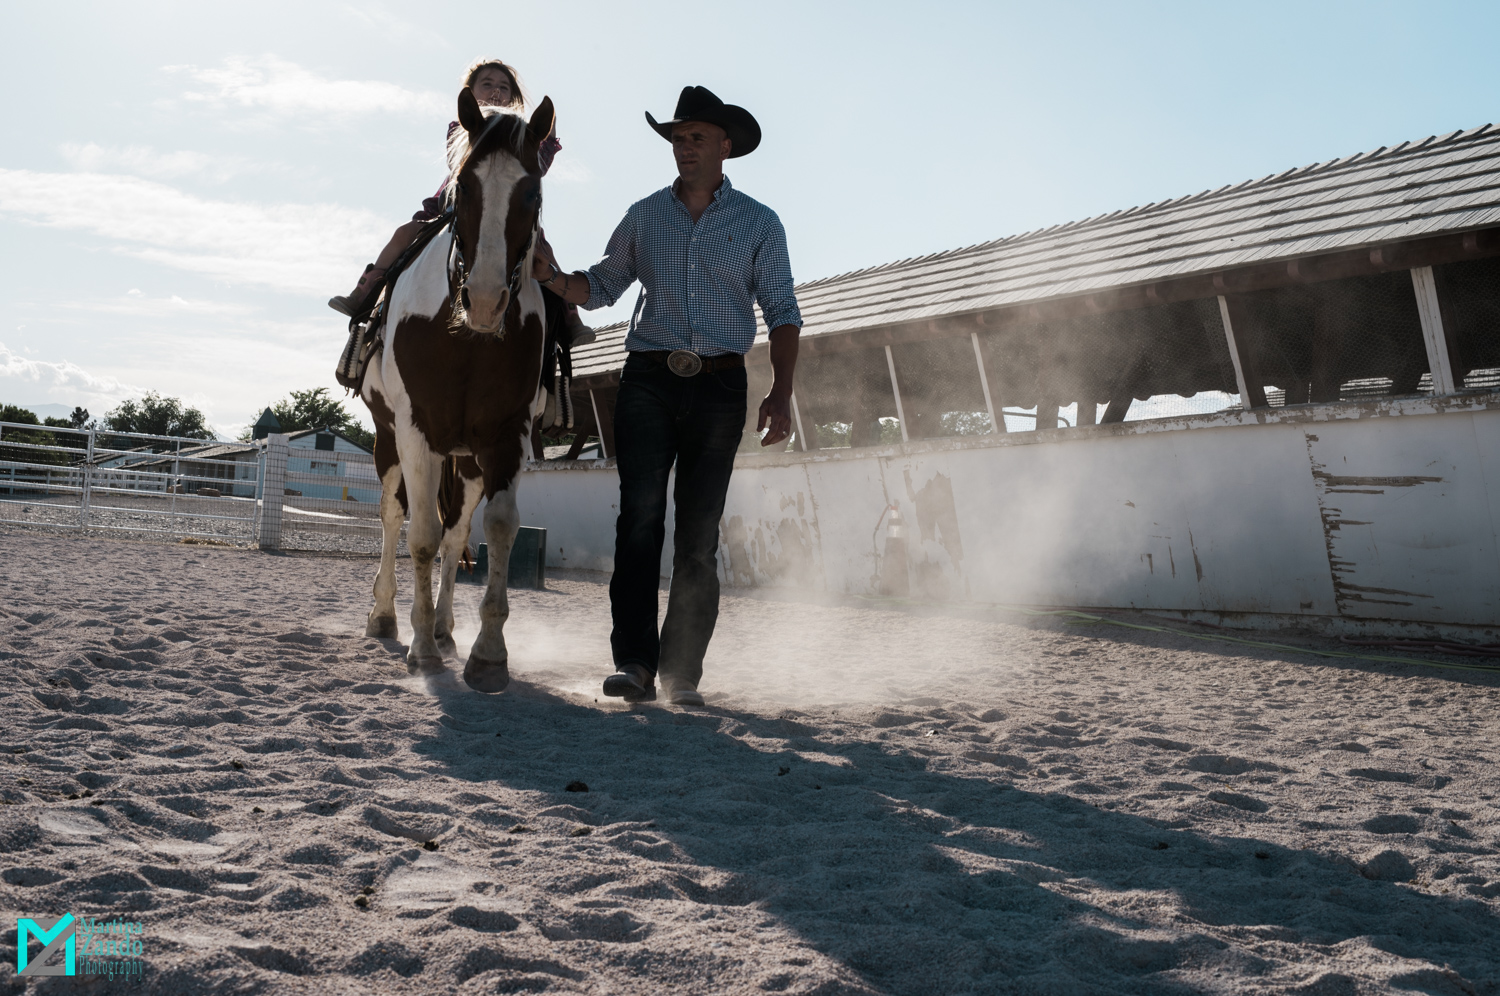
926	881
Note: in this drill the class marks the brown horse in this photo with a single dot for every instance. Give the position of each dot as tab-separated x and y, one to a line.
455	388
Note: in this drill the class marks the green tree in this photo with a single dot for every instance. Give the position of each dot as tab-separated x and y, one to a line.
24	416
314	409
157	416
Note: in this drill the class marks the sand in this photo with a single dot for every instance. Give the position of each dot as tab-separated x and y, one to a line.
874	800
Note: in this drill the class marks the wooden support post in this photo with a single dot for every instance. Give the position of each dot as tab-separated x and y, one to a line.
1246	371
606	434
797	421
1046	412
1087	412
997	420
890	364
1434	336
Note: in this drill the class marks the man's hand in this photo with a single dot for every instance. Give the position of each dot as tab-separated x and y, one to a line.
543	263
776	412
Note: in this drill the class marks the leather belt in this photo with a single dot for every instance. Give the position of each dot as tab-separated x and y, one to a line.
686	363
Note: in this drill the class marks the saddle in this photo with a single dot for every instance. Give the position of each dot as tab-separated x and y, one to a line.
364	325
365	339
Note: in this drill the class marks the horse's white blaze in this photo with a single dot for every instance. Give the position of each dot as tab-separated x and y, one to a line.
489	273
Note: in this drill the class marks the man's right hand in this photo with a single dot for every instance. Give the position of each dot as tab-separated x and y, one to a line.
543	263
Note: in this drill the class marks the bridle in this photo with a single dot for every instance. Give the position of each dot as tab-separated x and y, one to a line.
459	267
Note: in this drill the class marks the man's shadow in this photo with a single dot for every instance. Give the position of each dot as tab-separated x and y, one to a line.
932	881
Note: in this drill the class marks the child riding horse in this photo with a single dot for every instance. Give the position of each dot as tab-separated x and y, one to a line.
494	84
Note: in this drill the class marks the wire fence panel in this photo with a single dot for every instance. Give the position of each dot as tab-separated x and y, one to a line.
1339	340
1470	292
115	482
1122	366
844	398
329	502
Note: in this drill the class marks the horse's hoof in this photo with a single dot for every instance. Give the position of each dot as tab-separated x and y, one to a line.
381	627
486	676
424	665
446	646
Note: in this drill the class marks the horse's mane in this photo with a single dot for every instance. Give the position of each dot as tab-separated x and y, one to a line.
506	127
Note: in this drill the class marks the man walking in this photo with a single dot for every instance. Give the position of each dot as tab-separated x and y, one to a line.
705	254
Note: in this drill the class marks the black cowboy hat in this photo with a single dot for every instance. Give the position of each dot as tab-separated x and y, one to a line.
698	103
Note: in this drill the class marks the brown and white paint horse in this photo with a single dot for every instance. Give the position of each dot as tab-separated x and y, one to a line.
455	388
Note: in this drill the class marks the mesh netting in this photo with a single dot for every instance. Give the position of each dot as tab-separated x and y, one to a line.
1470	292
1342	340
844	397
941	394
1168	360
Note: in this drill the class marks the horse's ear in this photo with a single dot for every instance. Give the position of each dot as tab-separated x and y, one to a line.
469	114
543	120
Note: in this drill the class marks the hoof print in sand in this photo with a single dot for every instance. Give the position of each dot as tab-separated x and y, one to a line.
385	955
1385	865
1248	803
420	827
487	921
275	959
618	927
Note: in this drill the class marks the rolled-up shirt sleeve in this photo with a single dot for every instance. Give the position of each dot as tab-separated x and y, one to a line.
773	279
616	271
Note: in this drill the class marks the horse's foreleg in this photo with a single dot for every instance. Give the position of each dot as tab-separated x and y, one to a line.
382	621
454	541
425	531
488	666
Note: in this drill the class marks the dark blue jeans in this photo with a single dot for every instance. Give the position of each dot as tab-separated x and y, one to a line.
696	422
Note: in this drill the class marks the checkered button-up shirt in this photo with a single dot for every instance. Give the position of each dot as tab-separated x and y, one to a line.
699	283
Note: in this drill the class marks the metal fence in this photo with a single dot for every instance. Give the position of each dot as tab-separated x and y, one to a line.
273	493
91	479
320	499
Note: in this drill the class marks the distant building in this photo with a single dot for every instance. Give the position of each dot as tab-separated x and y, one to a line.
327	452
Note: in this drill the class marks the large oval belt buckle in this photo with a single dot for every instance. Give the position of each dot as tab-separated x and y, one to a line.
684	362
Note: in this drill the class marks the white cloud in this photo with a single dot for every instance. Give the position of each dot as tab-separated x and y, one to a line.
565	170
394	28
274	86
133	302
296	248
145	161
24	381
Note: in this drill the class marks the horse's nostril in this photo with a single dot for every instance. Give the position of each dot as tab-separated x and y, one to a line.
463	297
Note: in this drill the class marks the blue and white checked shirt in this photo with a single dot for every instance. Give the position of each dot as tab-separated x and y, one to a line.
698	282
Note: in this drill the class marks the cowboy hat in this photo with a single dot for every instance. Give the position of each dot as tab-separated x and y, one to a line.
698	103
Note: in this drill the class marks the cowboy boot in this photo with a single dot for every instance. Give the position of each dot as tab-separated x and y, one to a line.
579	334
357	301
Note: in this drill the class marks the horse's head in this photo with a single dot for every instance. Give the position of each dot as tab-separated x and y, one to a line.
497	202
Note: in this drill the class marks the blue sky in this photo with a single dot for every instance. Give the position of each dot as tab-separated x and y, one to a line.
182	185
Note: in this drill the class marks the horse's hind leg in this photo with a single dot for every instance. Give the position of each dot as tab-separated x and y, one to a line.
455	538
382	621
424	533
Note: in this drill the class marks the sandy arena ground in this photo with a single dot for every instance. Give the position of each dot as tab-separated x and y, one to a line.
875	800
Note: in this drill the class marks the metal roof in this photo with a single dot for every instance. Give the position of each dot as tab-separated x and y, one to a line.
1441	184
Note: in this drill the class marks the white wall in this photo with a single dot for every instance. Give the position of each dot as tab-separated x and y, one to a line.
1373	511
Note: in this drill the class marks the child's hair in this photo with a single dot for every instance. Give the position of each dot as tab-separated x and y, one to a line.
517	95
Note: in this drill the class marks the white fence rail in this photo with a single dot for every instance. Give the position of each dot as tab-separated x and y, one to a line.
268	493
131	482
